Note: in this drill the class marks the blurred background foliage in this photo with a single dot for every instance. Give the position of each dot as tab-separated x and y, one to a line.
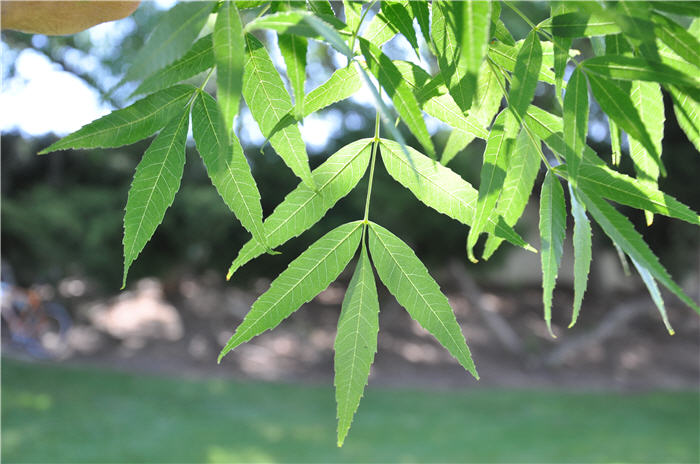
62	213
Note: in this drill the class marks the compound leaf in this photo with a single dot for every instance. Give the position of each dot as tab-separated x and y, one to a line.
153	189
552	230
198	59
128	125
440	188
355	342
304	207
408	280
226	164
305	277
269	102
229	54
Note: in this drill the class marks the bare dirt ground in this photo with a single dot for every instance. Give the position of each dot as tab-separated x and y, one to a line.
178	328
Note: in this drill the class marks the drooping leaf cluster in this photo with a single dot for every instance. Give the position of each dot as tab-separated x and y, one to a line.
483	88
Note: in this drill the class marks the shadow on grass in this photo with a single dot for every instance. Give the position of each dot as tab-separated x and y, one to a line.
58	414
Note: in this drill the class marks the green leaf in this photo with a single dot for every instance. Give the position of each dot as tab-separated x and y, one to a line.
293	49
560	45
687	113
579	24
434	98
172	36
131	124
400	92
575	121
456	142
677	38
447	19
525	75
396	12
198	59
596	177
408	280
304	207
440	188
269	102
619	106
473	27
226	164
353	13
303	24
634	68
421	12
622	232
582	252
355	342
324	10
552	232
390	122
493	172
379	30
305	277
501	32
153	189
484	108
608	183
647	97
523	166
650	283
229	53
488	96
342	84
616	45
682	7
505	56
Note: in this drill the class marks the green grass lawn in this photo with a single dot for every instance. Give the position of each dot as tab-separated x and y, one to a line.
58	414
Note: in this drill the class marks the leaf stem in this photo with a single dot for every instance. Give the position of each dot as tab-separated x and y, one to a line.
375	142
